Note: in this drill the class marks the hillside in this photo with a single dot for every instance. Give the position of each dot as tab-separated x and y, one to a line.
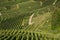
29	19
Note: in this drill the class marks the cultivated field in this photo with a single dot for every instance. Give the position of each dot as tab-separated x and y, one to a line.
29	19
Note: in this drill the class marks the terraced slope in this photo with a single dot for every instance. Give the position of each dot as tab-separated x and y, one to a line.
29	19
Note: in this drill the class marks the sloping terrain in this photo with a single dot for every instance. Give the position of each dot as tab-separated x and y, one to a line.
29	19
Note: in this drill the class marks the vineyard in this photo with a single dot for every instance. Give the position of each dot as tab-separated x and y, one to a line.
25	35
29	19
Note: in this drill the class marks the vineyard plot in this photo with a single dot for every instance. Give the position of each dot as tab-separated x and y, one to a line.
29	19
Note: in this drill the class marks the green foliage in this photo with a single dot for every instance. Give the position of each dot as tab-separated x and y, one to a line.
56	20
25	35
15	15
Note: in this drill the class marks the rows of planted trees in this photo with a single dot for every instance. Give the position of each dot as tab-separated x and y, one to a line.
29	19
